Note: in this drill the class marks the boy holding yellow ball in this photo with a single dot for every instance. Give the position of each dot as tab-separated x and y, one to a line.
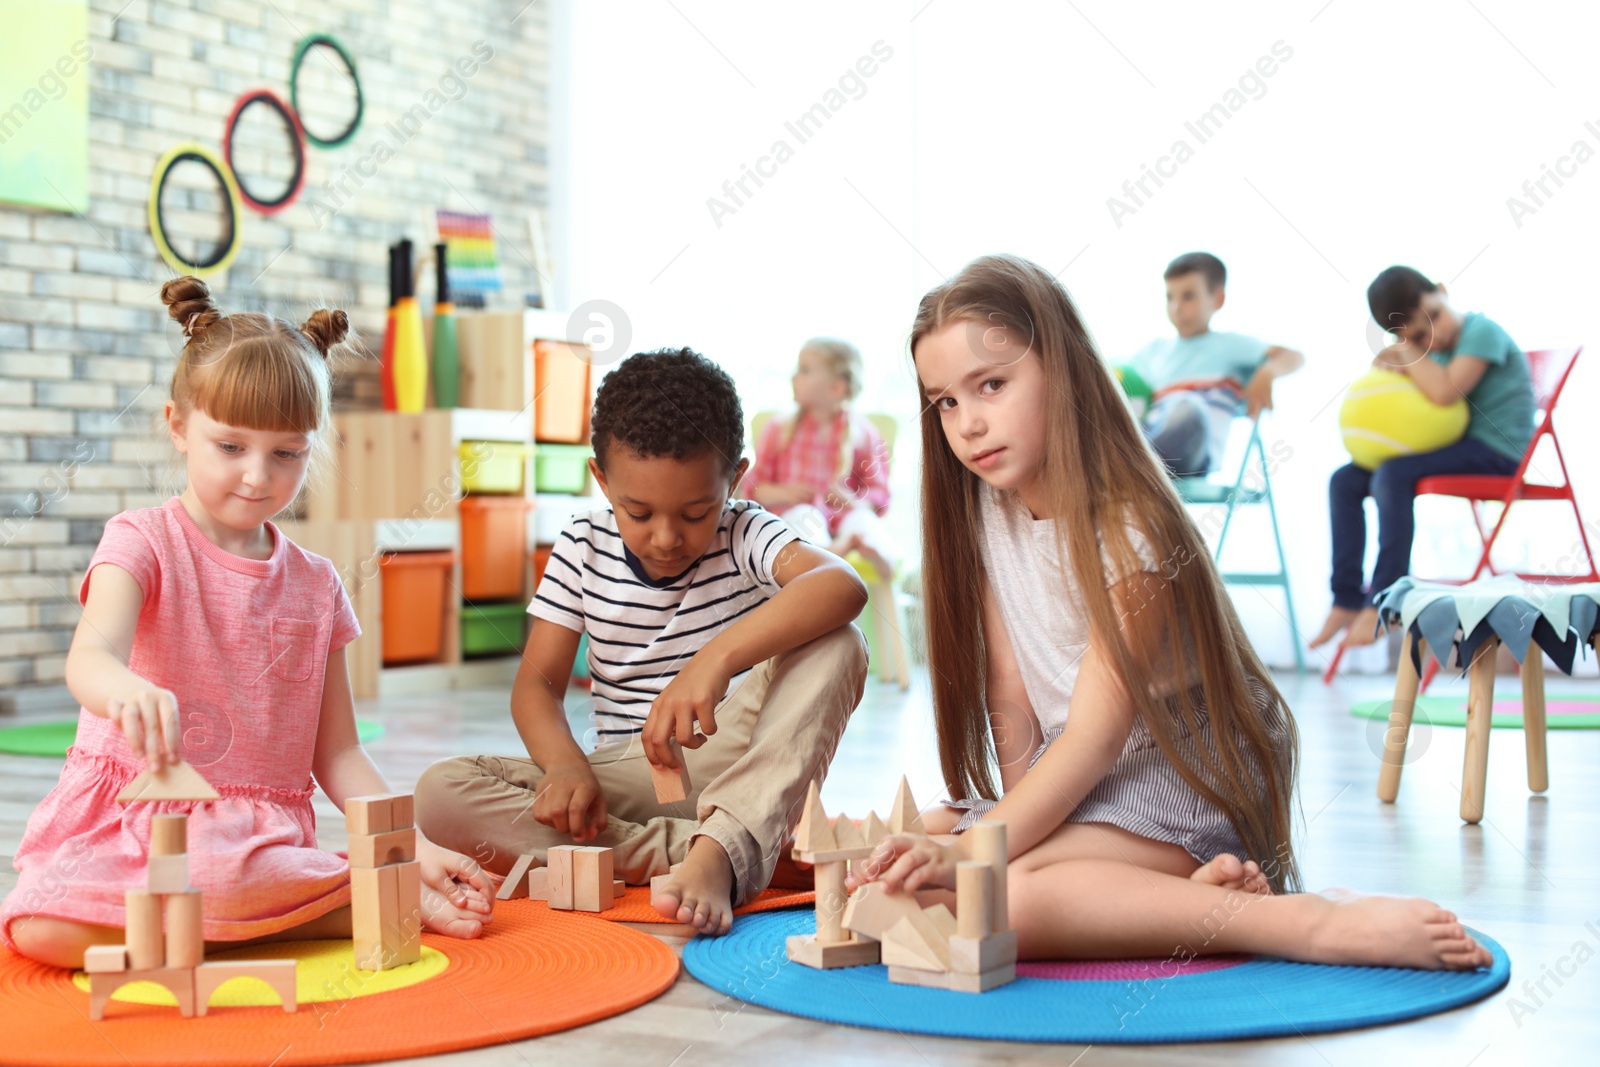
1447	357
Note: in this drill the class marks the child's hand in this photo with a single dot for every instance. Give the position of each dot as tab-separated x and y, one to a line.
148	718
1258	393
570	802
907	862
689	698
457	894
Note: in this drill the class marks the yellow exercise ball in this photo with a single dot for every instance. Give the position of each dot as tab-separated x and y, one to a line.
1385	415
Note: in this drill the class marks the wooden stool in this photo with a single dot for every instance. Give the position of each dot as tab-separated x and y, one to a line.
1480	714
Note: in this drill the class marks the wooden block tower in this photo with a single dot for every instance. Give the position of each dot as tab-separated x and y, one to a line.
385	881
972	951
175	957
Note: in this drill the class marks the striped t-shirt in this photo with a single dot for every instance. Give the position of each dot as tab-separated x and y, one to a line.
643	631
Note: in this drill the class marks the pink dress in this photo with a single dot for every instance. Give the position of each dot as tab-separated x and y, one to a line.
244	644
811	457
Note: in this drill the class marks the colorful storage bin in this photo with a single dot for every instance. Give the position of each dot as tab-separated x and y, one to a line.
492	629
494	538
493	466
561	384
561	468
414	585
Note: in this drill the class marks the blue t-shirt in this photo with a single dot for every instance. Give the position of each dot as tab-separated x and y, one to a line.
1501	404
1214	365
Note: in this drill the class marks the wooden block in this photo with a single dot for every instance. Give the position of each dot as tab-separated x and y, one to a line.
404	943
942	918
180	980
593	887
559	882
538	884
179	781
953	981
989	846
846	834
378	850
915	941
832	855
978	955
370	815
808	951
186	939
169	835
516	883
279	974
105	959
904	818
814	834
374	906
403	807
168	874
672	786
147	949
830	903
873	910
618	888
874	831
974	899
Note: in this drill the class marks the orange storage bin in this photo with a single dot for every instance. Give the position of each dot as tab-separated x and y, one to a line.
541	560
561	385
494	543
414	585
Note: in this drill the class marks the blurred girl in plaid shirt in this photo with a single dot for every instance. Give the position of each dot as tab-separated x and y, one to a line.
824	469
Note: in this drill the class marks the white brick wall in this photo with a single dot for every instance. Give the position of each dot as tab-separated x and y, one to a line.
85	346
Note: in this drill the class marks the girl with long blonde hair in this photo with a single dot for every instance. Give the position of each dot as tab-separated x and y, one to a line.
1080	638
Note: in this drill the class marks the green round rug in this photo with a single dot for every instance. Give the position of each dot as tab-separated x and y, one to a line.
1561	713
53	738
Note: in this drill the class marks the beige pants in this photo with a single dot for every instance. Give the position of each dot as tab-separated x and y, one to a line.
775	734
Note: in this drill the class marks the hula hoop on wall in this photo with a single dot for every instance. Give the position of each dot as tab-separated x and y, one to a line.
228	247
291	121
326	40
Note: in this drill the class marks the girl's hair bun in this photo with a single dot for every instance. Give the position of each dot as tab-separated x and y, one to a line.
326	328
189	302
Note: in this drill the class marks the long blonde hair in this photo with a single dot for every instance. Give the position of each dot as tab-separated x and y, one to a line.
1099	476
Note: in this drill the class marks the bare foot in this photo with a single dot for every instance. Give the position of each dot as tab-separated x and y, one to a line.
1392	932
700	892
1363	629
1226	871
1339	619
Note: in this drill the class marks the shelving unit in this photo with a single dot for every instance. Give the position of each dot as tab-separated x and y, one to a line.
396	481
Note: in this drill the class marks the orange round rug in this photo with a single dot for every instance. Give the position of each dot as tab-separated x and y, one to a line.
533	972
634	905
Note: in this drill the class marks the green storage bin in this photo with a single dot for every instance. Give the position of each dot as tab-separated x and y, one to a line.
493	466
492	629
561	468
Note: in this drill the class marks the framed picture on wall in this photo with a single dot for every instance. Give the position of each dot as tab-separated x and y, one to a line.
44	105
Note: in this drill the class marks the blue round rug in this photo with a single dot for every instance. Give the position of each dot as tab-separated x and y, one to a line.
1208	1000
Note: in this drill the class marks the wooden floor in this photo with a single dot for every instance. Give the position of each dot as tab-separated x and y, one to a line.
1529	875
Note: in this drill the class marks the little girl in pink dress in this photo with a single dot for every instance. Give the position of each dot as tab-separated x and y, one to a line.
208	636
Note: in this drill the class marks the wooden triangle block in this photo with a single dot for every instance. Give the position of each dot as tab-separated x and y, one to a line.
516	884
904	817
942	918
875	831
814	834
177	782
845	832
906	944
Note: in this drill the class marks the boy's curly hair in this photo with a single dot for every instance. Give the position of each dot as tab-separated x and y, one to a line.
670	402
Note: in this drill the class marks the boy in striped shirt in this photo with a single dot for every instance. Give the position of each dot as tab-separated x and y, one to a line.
710	622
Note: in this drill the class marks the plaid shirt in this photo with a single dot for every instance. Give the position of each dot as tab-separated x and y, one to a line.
812	458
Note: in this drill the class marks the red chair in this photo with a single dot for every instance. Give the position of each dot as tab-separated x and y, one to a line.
1550	369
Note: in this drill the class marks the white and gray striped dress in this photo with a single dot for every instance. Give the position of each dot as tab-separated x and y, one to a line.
1048	628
